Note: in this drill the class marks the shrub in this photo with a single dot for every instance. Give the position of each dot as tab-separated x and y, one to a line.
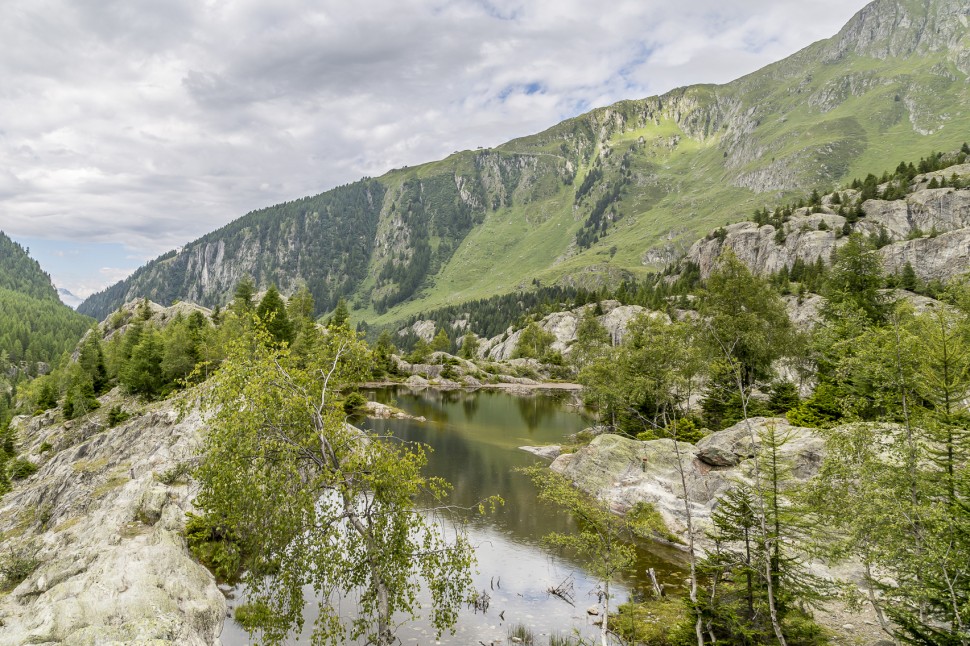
116	416
354	402
214	545
22	468
16	566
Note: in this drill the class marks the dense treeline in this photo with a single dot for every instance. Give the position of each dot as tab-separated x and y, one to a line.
33	330
328	237
35	327
489	317
21	273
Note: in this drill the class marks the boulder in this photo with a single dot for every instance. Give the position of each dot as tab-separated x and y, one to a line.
109	535
549	452
414	381
729	447
624	472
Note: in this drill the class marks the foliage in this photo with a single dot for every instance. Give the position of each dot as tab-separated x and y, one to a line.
354	402
215	545
22	468
592	339
660	622
534	343
895	489
855	279
643	384
745	321
17	565
755	533
272	314
441	342
317	502
469	346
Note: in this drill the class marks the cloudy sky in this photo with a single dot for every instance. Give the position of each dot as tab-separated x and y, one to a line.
130	127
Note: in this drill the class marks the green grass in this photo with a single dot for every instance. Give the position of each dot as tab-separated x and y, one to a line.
684	191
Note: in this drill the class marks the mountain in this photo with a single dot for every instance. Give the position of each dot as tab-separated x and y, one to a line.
610	194
34	325
68	298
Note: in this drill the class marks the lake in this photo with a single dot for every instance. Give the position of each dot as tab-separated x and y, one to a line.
474	437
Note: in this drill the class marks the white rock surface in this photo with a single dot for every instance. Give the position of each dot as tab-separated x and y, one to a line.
563	325
624	472
115	566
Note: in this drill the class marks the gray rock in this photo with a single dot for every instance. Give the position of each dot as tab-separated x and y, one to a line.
414	381
115	567
731	446
422	329
615	319
624	472
550	452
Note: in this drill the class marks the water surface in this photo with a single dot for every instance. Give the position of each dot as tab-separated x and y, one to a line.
474	438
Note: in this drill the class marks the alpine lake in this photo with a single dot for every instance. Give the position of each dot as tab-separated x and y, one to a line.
474	439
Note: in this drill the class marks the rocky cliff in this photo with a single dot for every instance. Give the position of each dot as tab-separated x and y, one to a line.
100	528
930	229
617	188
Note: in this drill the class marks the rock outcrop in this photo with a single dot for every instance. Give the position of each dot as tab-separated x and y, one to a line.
930	229
563	325
624	472
104	519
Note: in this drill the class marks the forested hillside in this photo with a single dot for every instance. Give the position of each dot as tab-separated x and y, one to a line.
607	195
34	324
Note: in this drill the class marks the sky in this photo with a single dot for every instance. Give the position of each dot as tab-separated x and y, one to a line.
131	127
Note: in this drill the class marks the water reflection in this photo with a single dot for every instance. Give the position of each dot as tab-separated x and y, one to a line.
474	439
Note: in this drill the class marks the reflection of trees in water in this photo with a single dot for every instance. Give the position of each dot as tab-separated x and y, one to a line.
534	409
479	469
469	404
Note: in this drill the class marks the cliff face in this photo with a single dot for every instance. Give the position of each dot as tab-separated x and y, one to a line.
930	229
614	189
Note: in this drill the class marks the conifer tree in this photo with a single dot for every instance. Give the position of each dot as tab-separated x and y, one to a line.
272	314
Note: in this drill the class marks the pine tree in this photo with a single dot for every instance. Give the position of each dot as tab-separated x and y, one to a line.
341	316
272	313
244	295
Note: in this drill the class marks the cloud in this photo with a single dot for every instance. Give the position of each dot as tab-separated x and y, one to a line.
150	123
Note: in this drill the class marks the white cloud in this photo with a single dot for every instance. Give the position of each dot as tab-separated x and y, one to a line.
150	123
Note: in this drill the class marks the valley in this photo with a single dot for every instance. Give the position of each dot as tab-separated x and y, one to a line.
686	369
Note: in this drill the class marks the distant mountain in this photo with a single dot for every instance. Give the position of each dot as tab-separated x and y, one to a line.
609	194
68	298
34	325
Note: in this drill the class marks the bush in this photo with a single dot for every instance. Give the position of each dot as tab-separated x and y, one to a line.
685	429
654	623
215	546
354	402
16	566
116	416
22	468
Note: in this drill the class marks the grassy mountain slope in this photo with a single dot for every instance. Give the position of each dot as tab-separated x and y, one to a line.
34	324
617	191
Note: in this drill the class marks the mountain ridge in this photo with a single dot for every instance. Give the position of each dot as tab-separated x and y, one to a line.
610	193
